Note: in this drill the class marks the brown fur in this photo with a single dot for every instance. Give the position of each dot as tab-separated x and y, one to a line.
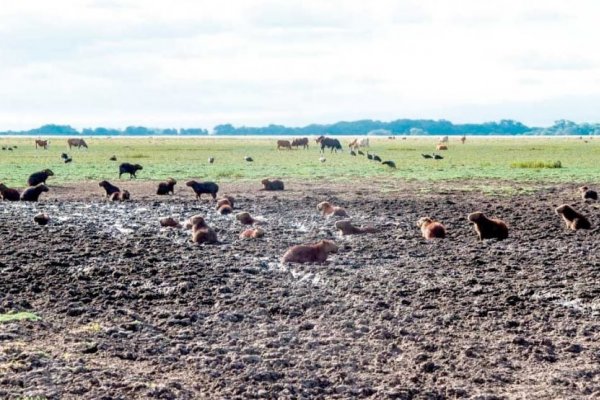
573	219
588	194
225	200
166	187
327	210
169	222
275	184
33	193
317	252
41	219
346	228
225	209
285	144
9	194
431	229
120	196
201	232
488	228
441	147
252	233
41	143
245	218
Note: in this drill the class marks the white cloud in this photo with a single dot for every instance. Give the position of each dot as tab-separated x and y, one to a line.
200	63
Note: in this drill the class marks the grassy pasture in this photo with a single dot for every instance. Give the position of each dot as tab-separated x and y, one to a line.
182	158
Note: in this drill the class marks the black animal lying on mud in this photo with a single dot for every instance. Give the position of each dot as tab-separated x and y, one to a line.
131	169
201	188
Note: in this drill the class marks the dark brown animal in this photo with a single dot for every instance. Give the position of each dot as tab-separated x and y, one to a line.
588	194
131	169
79	143
41	143
327	210
166	187
441	147
201	188
317	252
39	177
120	196
573	219
245	218
275	184
109	188
201	232
9	194
252	233
431	229
285	144
300	142
225	200
488	228
225	209
346	228
41	219
33	193
169	222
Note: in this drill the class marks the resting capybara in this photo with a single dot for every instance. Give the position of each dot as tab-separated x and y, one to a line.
588	194
488	228
120	196
169	222
201	188
33	193
202	233
346	228
131	169
327	210
225	200
572	218
245	218
109	188
272	185
225	209
41	219
431	229
252	233
317	252
9	194
39	177
166	187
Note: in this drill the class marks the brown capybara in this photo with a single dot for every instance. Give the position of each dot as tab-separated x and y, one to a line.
275	184
33	193
245	218
573	219
488	228
225	209
588	194
166	187
169	222
120	196
327	210
9	194
317	252
202	233
228	200
41	219
109	188
431	229
346	228
252	233
201	188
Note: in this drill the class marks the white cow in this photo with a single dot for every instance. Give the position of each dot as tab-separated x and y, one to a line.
444	139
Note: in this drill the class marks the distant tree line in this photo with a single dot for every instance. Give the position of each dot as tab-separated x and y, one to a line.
361	127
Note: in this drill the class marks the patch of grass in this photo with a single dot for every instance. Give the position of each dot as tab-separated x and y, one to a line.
536	164
18	316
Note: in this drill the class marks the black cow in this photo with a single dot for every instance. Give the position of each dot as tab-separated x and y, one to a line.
130	169
39	177
204	187
333	144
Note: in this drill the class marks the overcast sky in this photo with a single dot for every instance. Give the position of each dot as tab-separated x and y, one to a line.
192	63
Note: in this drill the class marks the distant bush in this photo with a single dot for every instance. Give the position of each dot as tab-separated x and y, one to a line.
536	164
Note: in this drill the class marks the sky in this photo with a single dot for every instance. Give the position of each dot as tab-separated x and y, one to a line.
196	63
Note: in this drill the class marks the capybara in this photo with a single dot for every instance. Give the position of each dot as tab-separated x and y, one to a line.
130	169
109	188
327	210
169	222
202	233
588	194
41	219
9	194
120	196
272	185
573	219
346	228
33	193
39	177
431	229
201	188
225	200
317	252
252	233
225	209
245	218
166	187
488	228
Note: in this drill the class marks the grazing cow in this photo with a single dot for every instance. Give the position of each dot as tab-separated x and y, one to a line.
588	194
201	188
346	228
441	147
327	210
33	193
285	144
330	143
9	194
254	233
444	139
573	219
488	228
317	252
356	143
275	184
109	188
431	229
300	142
131	169
79	143
39	177
166	187
463	139
41	143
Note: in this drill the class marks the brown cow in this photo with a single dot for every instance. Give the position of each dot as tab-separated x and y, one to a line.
441	147
285	144
41	143
300	142
79	143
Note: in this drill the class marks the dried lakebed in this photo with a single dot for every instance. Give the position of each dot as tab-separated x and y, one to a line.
131	310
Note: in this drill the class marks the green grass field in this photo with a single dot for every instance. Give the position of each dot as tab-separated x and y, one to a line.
509	159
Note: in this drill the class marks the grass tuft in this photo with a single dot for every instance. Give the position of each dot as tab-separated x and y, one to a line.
536	164
18	316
